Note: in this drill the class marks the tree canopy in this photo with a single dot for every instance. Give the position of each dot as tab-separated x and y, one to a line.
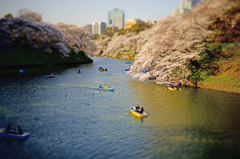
9	15
25	13
95	36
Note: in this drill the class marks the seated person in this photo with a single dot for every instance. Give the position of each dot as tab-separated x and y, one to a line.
137	108
79	70
100	86
142	110
20	131
105	86
171	85
100	68
105	69
8	128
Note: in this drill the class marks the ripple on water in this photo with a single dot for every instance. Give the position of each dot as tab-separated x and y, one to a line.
87	123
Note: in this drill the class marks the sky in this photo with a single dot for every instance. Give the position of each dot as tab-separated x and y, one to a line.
83	12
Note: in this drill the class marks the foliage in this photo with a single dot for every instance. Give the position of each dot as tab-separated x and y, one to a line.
25	13
26	33
225	29
20	32
174	42
9	15
109	31
79	39
175	70
95	36
136	28
122	31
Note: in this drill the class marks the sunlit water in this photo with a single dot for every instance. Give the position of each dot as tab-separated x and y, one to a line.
87	123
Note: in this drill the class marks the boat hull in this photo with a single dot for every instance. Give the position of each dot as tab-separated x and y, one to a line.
50	76
133	111
172	89
13	135
106	89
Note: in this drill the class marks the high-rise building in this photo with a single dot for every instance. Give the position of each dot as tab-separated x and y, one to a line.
89	27
116	18
185	6
98	27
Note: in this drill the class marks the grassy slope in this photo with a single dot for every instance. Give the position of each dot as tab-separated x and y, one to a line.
229	68
223	68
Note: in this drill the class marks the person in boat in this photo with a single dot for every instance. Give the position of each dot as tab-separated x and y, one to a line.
141	110
171	85
105	69
100	86
8	128
137	108
79	70
20	131
106	86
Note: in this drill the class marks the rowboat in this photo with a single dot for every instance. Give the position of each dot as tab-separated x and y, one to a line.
50	76
172	89
13	135
106	89
133	111
128	62
102	70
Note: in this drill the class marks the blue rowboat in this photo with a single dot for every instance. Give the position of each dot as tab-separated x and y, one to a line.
128	62
78	71
106	89
13	135
50	76
127	69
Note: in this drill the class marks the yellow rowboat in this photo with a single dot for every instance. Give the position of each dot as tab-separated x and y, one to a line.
172	89
133	111
103	70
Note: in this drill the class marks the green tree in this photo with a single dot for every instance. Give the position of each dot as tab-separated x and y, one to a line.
139	27
121	31
9	15
109	31
95	36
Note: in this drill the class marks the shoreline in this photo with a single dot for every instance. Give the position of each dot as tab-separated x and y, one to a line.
202	84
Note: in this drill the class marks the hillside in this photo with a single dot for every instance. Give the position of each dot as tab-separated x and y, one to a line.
25	42
186	49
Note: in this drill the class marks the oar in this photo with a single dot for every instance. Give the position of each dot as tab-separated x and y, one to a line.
146	112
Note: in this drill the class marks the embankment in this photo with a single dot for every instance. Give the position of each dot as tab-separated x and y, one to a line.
29	58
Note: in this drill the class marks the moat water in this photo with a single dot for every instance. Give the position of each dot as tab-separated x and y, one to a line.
67	117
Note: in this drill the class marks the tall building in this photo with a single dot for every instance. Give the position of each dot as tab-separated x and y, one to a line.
98	27
89	27
185	6
116	18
